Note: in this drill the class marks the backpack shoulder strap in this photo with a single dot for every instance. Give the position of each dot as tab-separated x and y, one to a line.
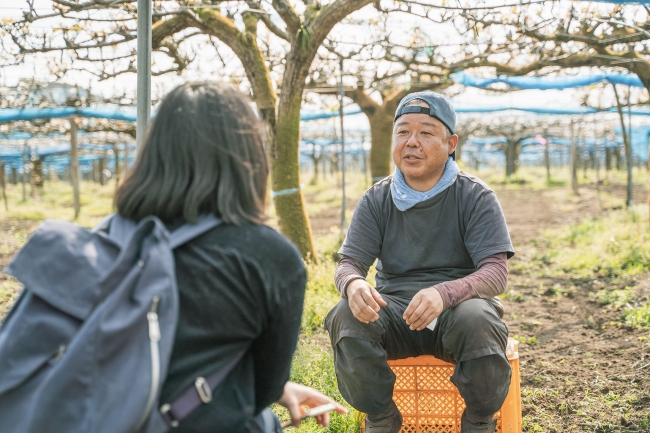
120	229
187	232
179	409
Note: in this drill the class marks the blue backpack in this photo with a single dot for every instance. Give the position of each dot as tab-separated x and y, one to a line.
86	347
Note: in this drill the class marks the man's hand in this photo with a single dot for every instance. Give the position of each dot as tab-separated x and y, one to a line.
425	306
364	300
295	396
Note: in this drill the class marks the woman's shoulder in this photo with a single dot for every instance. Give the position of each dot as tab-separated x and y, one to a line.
258	242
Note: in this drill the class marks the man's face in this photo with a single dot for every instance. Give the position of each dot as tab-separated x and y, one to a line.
421	148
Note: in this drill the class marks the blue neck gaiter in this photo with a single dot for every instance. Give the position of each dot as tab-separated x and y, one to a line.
406	197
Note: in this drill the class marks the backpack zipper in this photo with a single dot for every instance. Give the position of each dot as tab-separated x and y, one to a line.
154	338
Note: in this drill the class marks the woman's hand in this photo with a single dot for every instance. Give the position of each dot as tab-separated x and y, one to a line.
296	395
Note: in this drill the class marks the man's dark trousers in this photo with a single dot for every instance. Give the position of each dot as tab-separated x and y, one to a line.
470	335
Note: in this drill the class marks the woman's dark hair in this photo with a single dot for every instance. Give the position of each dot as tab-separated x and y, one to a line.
203	154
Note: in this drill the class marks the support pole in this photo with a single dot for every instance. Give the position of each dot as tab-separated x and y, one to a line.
24	174
144	69
342	158
74	167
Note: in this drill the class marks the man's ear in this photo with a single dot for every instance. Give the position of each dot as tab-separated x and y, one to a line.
452	143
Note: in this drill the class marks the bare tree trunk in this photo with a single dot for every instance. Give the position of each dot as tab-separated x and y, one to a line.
628	152
511	158
574	161
102	167
316	161
74	168
118	169
285	169
36	174
381	136
547	163
3	182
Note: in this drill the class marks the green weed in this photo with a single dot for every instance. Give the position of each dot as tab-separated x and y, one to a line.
612	246
615	298
320	297
313	366
531	341
638	317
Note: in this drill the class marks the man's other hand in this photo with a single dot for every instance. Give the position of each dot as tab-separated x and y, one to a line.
364	300
425	306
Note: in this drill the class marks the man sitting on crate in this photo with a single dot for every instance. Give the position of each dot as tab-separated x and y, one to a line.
442	246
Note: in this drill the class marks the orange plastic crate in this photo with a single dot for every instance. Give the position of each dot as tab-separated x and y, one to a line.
430	403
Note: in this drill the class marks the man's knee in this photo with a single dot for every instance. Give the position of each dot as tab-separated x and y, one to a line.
474	329
341	312
483	383
474	312
364	378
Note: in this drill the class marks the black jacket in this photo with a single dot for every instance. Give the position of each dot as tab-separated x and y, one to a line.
241	287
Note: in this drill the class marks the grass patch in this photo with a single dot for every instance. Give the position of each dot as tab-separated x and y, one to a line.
313	366
320	297
638	316
613	248
55	201
616	245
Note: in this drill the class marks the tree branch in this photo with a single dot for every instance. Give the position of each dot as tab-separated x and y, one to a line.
289	16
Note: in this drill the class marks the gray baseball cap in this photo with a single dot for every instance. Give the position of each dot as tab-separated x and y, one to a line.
439	107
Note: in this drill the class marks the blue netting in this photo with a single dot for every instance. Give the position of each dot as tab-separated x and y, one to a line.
127	114
547	83
623	2
14	114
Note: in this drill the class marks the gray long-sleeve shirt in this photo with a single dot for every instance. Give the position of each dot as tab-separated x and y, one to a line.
489	280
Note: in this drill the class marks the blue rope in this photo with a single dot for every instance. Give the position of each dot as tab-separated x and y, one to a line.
275	194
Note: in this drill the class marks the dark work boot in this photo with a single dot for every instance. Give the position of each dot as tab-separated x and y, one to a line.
388	421
467	426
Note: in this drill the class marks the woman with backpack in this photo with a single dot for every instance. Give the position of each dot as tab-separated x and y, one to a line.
241	284
181	312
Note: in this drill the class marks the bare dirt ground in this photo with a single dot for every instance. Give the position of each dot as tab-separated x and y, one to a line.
581	369
585	371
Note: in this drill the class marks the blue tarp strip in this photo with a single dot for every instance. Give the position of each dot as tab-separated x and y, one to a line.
623	2
11	114
546	83
14	114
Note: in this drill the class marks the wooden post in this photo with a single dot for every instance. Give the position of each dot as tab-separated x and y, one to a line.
102	166
597	161
574	161
74	167
628	152
547	159
116	150
32	177
3	181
